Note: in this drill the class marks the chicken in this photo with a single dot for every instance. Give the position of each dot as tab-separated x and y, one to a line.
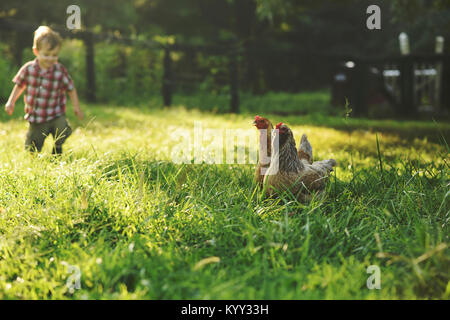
264	147
305	150
291	173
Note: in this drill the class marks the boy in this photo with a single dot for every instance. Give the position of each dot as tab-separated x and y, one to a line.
45	82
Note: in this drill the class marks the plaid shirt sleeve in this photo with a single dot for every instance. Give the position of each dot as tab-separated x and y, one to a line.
21	77
67	80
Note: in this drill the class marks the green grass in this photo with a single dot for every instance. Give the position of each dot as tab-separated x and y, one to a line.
312	108
139	227
280	103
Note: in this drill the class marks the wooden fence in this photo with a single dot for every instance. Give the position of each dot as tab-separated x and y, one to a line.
411	83
229	50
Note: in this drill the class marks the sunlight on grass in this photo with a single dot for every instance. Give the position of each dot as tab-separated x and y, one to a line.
139	226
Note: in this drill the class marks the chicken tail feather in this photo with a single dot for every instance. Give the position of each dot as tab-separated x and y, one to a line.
326	165
305	150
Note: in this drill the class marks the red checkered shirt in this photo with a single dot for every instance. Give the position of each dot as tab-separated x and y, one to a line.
45	97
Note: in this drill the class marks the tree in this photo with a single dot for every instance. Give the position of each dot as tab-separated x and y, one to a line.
423	20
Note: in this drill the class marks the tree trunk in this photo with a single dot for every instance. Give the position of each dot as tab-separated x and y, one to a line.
167	78
234	83
90	68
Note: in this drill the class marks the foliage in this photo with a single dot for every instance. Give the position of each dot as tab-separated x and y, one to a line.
317	31
7	75
123	74
423	21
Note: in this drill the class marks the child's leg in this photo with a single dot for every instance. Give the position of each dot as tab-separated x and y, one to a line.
37	132
60	131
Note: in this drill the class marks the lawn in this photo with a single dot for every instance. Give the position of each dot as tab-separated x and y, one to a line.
116	211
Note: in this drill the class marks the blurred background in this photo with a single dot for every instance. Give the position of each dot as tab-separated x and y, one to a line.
278	56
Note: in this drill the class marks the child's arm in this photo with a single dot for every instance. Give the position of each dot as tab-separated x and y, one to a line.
15	94
76	104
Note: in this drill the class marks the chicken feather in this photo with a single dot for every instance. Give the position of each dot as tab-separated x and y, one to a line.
294	174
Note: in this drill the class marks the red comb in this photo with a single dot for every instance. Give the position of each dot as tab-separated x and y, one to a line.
279	125
257	117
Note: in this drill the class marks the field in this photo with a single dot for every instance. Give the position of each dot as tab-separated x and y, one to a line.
117	212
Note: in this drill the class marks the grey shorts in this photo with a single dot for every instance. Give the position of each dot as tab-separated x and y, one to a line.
37	132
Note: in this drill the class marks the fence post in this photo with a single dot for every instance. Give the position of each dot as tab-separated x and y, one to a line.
167	78
234	82
19	45
406	86
90	67
445	84
359	88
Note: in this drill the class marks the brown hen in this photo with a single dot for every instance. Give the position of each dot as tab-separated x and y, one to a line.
292	174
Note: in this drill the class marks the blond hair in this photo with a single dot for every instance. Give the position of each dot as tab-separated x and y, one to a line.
44	34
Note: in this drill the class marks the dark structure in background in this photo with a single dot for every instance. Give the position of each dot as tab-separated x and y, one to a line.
405	83
408	85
